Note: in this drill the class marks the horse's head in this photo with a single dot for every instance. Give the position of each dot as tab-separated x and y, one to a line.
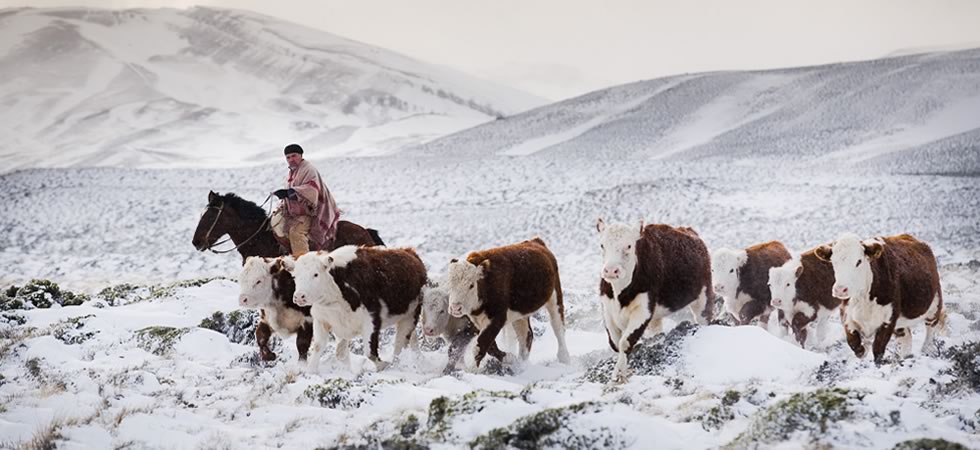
214	223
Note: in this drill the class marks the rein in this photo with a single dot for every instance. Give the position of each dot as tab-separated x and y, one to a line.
256	233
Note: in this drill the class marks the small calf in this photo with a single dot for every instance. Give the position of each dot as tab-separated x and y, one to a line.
800	289
456	331
741	277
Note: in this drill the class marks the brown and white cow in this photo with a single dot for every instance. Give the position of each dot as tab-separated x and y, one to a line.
457	332
266	284
801	290
648	273
886	285
741	276
358	291
504	285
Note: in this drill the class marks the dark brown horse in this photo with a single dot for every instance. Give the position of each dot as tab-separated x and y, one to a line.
248	227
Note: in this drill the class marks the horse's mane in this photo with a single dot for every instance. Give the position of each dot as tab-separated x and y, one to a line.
245	208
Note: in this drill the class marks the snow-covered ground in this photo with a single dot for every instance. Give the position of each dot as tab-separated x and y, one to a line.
88	229
159	357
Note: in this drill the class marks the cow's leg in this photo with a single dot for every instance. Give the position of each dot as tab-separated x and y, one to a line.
800	325
882	336
558	326
457	344
764	318
262	334
343	351
321	331
821	334
487	339
638	317
750	310
700	310
374	340
404	330
935	322
304	337
413	340
609	309
522	329
854	341
903	340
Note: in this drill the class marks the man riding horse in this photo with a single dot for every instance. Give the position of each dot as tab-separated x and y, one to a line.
307	214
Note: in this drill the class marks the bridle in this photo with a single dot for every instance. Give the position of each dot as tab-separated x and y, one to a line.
207	236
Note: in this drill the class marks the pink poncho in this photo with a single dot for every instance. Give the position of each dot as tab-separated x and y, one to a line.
315	201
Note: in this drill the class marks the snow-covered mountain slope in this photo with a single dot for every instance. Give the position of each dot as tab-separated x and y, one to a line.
215	88
917	113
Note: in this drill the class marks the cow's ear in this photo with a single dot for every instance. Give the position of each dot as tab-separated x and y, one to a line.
874	249
485	266
276	266
600	225
288	263
799	270
211	196
823	253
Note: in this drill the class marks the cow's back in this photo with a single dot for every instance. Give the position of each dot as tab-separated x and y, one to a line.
674	263
816	284
753	277
394	276
906	273
524	275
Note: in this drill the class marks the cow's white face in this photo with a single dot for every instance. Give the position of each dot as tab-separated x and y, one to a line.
782	284
725	265
314	283
462	282
435	310
851	259
255	282
618	244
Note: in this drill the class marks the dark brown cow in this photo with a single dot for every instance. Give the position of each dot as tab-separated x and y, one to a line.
649	272
742	277
358	291
801	290
503	285
265	284
886	285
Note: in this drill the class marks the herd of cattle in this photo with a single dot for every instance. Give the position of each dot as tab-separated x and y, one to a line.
880	286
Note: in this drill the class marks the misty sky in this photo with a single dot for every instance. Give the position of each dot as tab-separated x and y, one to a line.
561	48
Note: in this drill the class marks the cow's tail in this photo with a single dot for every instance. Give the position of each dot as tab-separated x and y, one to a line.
559	297
939	320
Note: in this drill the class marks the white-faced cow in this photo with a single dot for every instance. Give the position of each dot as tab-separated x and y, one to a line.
801	290
886	285
649	272
358	291
504	285
456	331
741	277
265	284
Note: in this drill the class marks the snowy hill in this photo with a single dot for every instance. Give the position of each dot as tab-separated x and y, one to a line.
915	113
215	88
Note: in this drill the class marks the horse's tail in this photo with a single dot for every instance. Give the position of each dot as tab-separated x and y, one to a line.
375	237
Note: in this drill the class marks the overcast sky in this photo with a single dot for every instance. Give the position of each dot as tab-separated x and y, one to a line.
561	48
